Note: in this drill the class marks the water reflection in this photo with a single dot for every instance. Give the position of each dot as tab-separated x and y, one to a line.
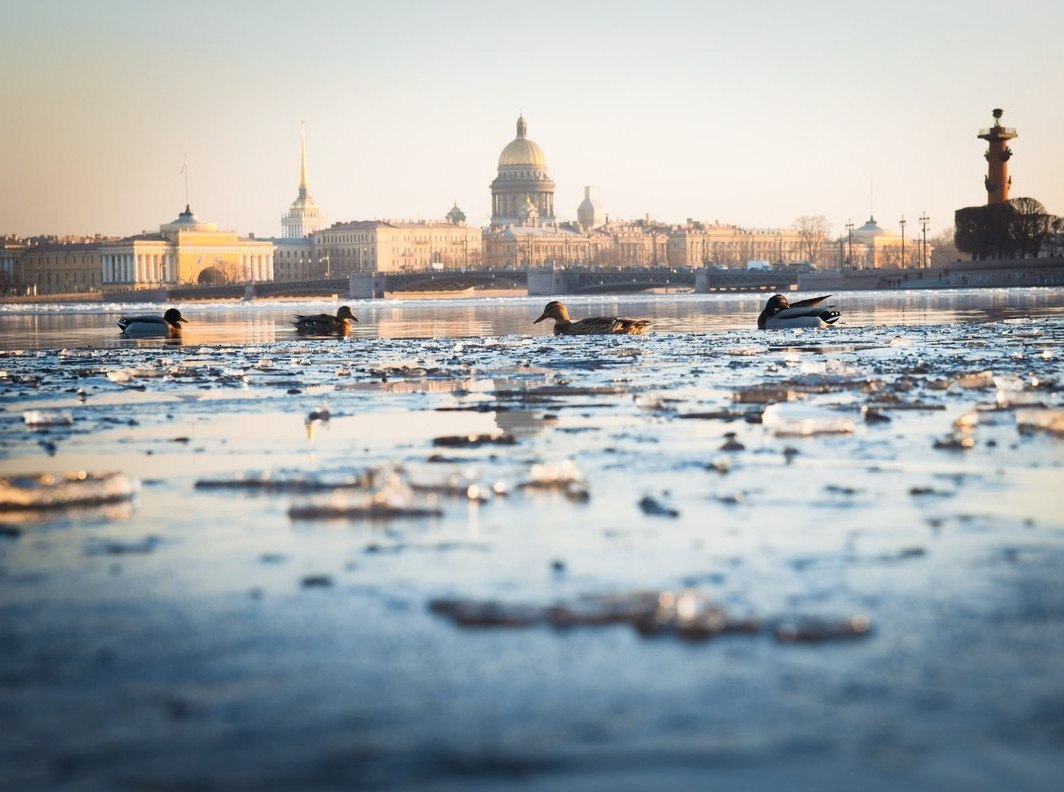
51	326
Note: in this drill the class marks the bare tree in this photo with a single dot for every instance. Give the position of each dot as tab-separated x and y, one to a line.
813	231
943	249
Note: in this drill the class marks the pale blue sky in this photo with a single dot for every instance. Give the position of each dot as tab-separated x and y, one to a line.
752	113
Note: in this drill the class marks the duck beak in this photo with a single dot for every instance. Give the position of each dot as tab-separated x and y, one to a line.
182	319
541	318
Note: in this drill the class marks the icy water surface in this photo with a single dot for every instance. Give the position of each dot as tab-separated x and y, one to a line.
731	559
44	326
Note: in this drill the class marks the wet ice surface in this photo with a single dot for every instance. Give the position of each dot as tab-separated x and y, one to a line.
893	490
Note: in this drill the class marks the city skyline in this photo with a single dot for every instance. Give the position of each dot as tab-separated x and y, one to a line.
754	115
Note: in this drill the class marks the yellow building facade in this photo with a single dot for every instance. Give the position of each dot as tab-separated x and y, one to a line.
61	268
186	251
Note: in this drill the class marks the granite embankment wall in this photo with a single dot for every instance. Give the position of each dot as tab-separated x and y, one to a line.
958	275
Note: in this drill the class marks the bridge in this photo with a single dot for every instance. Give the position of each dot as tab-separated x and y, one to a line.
540	282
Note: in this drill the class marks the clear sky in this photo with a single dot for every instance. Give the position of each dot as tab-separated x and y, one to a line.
751	112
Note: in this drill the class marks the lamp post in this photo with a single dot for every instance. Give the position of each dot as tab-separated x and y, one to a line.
902	224
924	220
849	233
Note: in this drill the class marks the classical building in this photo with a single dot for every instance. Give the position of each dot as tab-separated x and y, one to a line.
58	268
696	244
522	193
11	252
613	244
304	217
874	247
186	251
396	246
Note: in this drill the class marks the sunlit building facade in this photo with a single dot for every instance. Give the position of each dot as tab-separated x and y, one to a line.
397	246
58	268
872	247
186	251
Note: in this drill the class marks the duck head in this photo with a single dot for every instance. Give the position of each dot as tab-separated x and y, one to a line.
554	310
345	313
173	318
775	304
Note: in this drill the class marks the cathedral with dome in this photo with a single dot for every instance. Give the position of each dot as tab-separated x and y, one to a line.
523	192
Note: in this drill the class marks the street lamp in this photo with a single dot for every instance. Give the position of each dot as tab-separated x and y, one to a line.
924	220
902	224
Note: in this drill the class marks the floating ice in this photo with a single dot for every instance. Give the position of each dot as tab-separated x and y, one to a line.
982	379
563	476
1048	420
48	491
804	420
43	418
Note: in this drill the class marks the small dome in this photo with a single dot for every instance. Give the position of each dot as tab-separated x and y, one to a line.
521	150
456	216
870	229
187	221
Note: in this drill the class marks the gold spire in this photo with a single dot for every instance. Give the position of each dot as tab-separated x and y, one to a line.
302	159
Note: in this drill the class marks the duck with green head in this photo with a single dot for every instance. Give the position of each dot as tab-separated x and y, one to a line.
167	325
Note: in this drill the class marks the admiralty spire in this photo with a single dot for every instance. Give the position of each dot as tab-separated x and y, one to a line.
304	217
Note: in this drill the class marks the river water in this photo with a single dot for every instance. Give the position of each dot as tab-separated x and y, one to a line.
421	556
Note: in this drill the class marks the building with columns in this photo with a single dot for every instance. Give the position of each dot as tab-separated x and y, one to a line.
873	247
303	217
522	193
185	251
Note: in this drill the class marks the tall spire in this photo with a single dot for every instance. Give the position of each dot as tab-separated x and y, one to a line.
302	159
522	127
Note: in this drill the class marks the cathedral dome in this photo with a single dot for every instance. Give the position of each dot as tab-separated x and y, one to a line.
521	150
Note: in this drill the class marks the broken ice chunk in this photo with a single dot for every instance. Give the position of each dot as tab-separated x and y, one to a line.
43	418
48	491
1040	420
804	420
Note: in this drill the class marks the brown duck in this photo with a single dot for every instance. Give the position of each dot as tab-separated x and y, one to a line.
594	325
325	324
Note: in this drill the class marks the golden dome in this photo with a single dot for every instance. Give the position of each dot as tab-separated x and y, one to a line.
521	150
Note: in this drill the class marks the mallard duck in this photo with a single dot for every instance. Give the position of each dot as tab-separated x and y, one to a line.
779	314
324	324
169	324
594	325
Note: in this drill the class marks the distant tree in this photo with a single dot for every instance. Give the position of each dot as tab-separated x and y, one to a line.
813	231
982	231
943	249
1019	228
1030	226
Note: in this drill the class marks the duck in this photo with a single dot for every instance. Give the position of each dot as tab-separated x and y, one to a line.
780	314
593	325
169	324
324	324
